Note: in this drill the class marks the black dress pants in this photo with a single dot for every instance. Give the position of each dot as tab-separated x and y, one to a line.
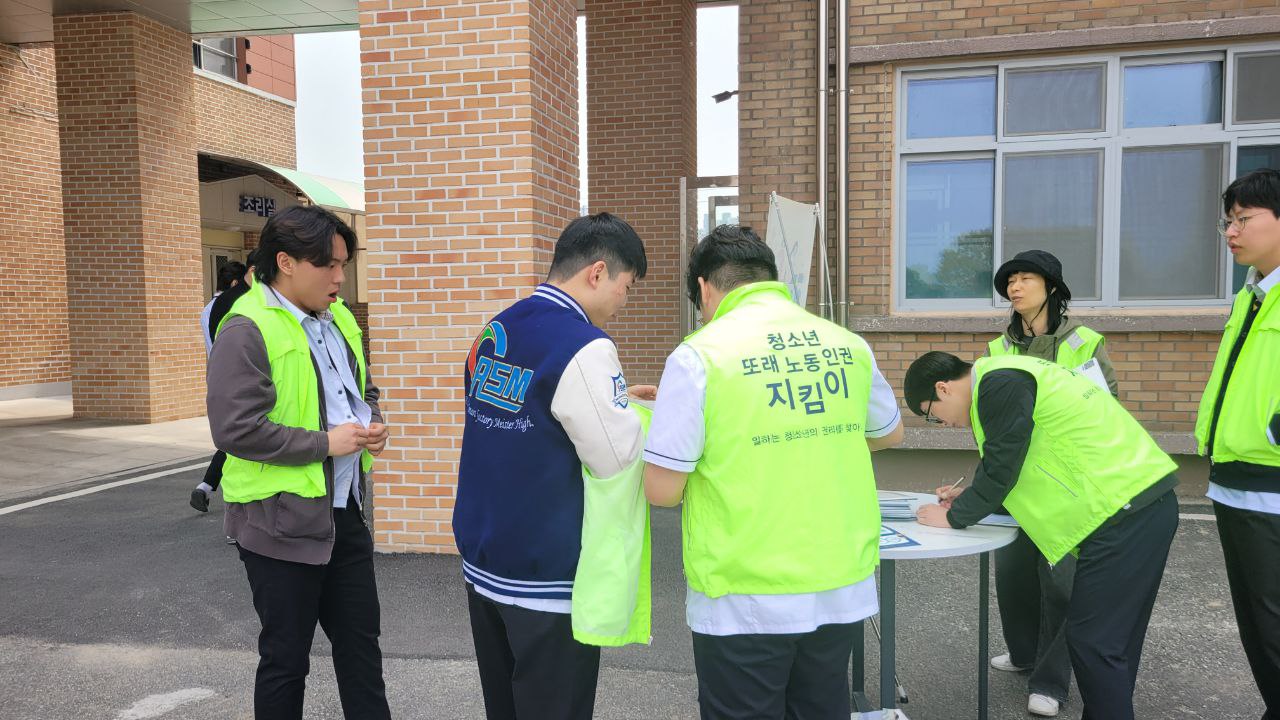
1117	577
213	473
1033	601
801	676
530	666
1251	548
291	598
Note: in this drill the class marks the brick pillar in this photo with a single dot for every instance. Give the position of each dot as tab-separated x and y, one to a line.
34	348
470	174
132	217
641	139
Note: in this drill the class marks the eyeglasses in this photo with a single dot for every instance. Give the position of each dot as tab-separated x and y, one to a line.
1224	225
928	415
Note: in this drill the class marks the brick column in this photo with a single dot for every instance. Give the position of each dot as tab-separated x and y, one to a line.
641	139
34	348
132	217
470	174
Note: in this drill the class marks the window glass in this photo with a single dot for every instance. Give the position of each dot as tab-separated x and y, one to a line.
1059	100
951	107
1177	94
949	210
1052	201
1256	98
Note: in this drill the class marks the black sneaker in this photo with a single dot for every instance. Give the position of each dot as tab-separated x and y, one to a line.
199	500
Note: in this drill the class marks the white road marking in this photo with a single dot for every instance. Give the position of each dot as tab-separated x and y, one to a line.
1196	516
157	705
99	488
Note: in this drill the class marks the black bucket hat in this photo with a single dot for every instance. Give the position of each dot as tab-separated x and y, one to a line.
1039	262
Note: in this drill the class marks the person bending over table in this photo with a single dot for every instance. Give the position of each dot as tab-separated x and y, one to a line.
1081	477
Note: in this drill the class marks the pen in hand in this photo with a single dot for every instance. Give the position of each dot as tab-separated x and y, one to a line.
945	494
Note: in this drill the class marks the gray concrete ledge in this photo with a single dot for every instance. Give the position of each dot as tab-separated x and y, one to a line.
1102	322
924	438
35	390
1232	28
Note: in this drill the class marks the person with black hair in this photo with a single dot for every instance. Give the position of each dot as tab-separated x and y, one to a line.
1082	477
545	400
1238	427
212	318
1032	594
292	404
229	276
764	426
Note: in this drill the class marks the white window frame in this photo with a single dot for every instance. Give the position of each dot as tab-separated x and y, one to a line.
1229	88
899	220
1112	142
233	55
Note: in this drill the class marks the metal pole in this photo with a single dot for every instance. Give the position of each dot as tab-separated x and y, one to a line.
984	613
842	164
888	627
686	310
824	280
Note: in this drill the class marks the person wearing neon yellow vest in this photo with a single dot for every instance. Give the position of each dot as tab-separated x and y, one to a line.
291	404
1238	427
763	426
1082	478
1032	594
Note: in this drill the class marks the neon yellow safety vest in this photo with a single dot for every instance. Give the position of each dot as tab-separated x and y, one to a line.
1075	349
783	499
612	593
1087	459
1253	394
297	398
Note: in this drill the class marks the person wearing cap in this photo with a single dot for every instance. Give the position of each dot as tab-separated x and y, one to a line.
764	426
1032	595
1238	428
1082	478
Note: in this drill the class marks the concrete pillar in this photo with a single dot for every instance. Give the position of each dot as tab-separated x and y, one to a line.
132	217
470	114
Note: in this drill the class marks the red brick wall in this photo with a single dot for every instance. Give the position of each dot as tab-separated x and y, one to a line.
131	216
269	64
777	150
642	138
34	344
875	23
234	122
470	146
1161	375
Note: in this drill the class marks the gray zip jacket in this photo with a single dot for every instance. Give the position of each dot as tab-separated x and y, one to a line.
240	394
1045	347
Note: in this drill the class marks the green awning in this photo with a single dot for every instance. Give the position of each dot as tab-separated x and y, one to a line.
325	191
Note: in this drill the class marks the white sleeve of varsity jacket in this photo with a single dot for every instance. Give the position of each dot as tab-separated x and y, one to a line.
591	404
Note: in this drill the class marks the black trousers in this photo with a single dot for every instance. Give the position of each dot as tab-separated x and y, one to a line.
291	598
771	677
1117	577
1033	601
213	473
530	666
1251	546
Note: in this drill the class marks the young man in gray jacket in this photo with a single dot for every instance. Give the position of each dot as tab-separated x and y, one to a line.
291	403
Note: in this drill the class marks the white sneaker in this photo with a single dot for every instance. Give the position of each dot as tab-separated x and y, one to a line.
1003	662
1042	705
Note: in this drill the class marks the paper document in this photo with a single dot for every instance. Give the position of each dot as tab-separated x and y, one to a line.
999	520
890	538
896	505
1092	370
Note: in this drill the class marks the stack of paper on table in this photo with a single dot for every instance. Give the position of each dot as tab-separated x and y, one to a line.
896	505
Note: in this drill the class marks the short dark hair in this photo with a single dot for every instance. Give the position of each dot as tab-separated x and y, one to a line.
931	368
230	274
730	256
592	238
1258	189
304	232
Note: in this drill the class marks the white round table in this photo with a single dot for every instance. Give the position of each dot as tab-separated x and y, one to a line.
930	543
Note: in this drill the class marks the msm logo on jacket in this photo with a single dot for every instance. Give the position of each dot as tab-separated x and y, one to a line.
497	383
